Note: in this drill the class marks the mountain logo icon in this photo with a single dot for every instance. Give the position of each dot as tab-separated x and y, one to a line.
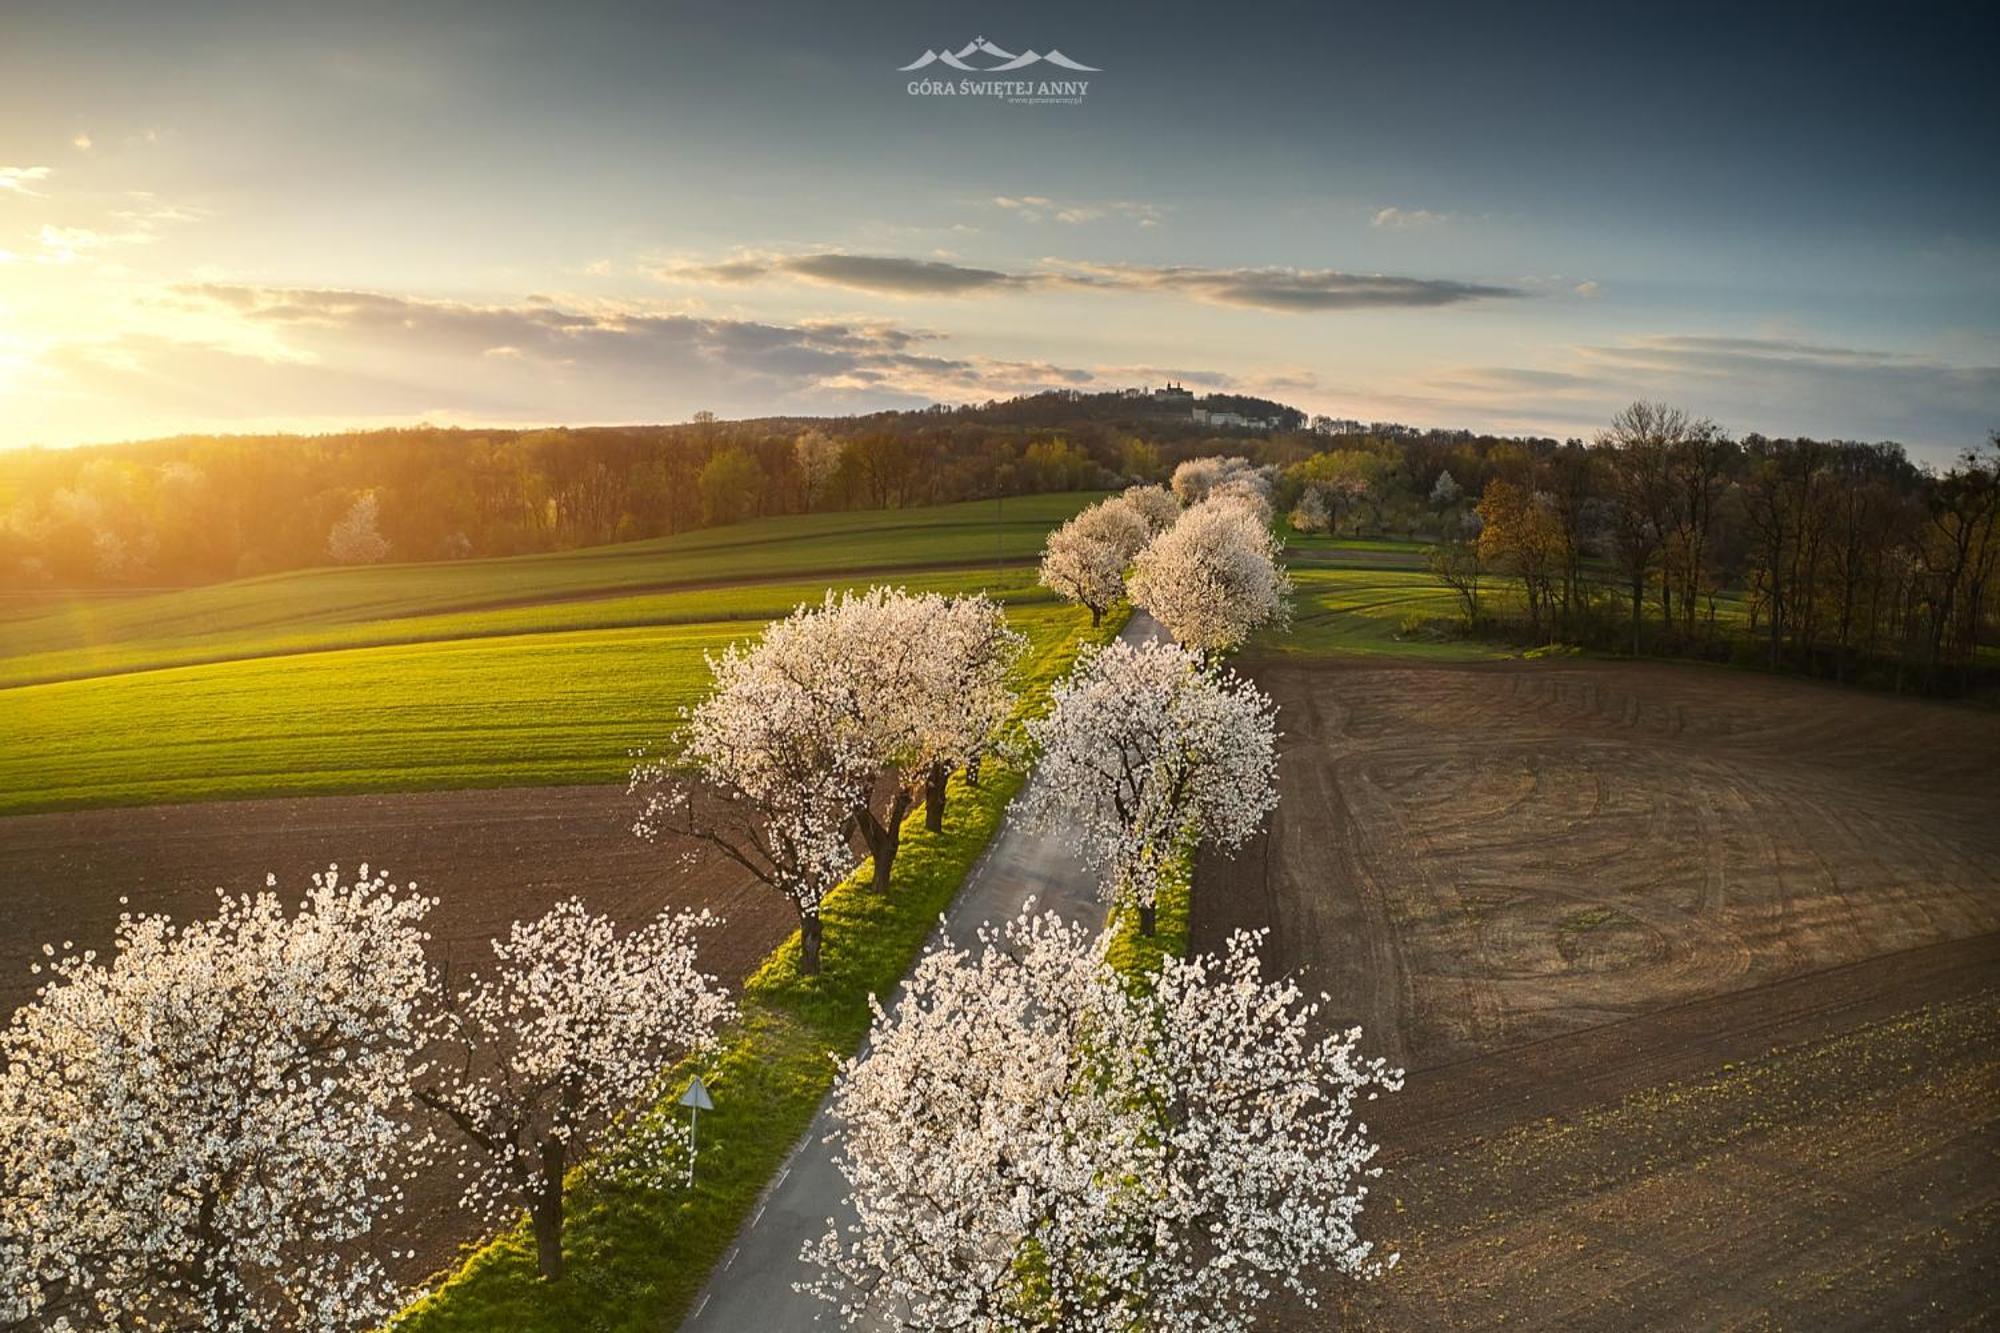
981	49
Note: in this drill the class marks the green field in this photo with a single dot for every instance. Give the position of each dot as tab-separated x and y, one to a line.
756	602
1364	611
535	670
527	671
778	549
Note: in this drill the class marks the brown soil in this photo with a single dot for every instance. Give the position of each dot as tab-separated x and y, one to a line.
1696	971
489	857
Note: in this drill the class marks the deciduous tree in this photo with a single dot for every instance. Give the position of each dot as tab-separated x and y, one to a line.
207	1129
1095	1155
765	771
965	693
1310	513
1213	578
1194	479
841	717
1155	504
1084	569
1519	531
573	1028
1145	752
1457	566
817	458
357	538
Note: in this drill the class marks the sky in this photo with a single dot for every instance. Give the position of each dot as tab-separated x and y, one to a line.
1516	218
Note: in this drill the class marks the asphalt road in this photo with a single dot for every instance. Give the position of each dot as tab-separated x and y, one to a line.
752	1291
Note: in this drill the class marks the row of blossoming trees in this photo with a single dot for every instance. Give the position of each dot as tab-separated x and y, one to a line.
215	1126
1095	1151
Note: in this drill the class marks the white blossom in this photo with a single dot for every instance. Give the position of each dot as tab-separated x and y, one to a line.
1084	560
767	771
1145	752
1213	577
208	1129
1117	522
1310	514
837	720
575	1027
1155	504
1031	1142
356	539
1197	478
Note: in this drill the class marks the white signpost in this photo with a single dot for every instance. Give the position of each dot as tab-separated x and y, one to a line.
696	1099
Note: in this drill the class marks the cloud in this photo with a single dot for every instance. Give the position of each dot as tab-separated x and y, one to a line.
149	212
1776	386
1040	208
63	245
141	225
599	362
882	274
1586	289
1148	373
18	179
235	356
81	141
1290	290
899	277
1405	218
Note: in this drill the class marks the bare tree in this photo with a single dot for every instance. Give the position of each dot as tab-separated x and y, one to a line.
1638	440
1456	565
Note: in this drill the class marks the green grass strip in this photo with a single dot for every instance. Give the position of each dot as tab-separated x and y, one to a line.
1138	956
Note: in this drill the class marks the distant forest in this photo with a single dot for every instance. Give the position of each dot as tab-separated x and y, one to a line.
1850	558
198	509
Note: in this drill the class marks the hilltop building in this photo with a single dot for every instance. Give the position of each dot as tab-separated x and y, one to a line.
1210	417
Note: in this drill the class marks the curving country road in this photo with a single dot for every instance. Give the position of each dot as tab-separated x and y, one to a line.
752	1289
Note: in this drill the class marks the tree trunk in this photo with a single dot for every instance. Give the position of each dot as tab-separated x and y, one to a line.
935	786
1148	918
809	937
1638	610
546	1211
1096	616
884	836
1777	626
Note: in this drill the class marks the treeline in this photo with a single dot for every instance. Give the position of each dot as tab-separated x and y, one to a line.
1664	535
206	509
201	509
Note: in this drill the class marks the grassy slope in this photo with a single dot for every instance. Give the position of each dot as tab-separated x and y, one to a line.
1361	611
500	672
525	710
638	1256
766	550
753	602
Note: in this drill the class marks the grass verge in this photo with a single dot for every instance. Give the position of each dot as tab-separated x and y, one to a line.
638	1256
1138	956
